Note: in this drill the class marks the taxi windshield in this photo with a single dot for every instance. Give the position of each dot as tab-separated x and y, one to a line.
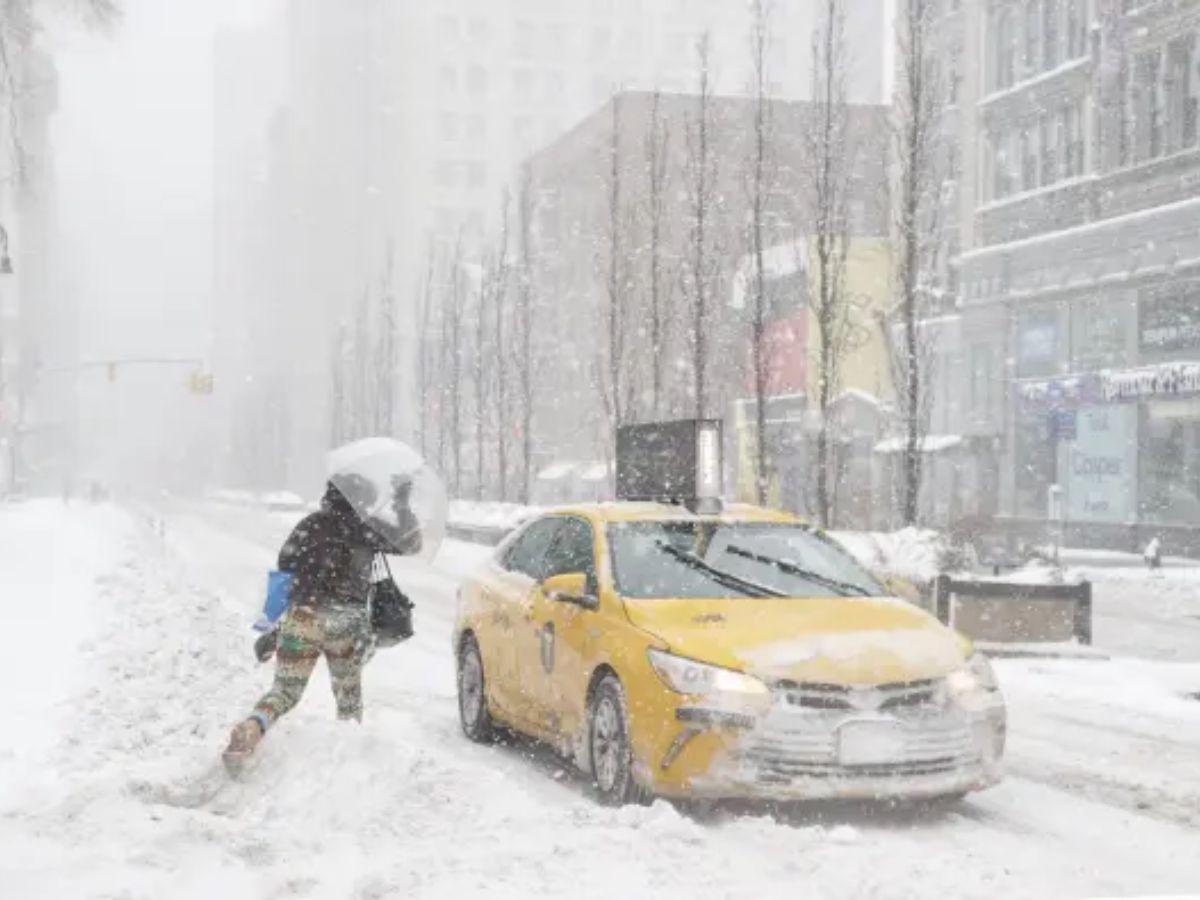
710	559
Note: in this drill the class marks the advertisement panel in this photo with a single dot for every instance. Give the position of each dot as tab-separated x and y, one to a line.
1170	317
1102	465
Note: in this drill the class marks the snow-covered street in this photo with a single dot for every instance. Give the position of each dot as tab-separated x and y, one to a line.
128	657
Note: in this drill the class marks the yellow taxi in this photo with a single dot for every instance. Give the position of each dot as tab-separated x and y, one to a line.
734	653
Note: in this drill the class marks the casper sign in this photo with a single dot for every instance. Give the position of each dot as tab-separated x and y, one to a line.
1102	465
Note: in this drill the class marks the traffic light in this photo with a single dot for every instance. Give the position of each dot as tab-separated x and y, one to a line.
200	383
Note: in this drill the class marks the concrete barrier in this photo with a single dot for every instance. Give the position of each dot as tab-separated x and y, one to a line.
1004	612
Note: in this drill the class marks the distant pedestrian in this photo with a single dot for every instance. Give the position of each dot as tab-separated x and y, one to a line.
1153	554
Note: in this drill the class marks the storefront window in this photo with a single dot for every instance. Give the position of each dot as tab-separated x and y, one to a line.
1098	333
1037	342
1170	462
1037	458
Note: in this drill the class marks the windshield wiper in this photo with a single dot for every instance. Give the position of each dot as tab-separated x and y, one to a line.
842	588
727	579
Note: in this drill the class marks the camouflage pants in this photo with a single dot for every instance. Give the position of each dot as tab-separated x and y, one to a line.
337	633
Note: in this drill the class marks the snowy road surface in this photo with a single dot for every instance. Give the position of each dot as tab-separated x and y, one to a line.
127	657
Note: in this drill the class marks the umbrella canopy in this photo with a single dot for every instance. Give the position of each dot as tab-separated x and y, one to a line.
392	490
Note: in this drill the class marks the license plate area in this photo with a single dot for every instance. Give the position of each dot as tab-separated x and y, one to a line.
870	742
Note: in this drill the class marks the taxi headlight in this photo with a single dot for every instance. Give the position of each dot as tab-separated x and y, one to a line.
974	677
686	676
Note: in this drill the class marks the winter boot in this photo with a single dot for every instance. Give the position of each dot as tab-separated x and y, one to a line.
242	741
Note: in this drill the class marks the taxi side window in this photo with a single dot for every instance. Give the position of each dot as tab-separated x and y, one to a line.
574	550
529	554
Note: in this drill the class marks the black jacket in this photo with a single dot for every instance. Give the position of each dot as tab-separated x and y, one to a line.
330	553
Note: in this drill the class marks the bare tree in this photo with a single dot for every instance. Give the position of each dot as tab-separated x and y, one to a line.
524	336
453	375
657	154
920	161
337	394
499	282
829	154
386	371
700	274
424	316
479	373
615	380
761	179
360	362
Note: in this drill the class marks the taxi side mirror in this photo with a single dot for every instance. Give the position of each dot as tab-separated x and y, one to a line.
571	587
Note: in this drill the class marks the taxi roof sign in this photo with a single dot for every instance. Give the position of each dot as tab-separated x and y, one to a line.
671	462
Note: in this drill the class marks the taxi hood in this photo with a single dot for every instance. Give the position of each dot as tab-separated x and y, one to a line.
830	640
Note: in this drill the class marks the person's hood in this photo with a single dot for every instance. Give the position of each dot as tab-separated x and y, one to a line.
835	640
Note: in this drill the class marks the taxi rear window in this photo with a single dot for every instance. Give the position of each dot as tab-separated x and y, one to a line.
713	559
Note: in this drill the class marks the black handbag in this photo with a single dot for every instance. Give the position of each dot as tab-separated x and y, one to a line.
391	611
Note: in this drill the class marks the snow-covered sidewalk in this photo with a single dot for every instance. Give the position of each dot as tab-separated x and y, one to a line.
123	796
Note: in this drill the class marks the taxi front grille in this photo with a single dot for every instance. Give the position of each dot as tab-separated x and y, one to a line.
782	770
793	743
881	698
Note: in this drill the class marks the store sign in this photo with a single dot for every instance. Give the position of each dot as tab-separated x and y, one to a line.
1102	465
1170	318
1165	380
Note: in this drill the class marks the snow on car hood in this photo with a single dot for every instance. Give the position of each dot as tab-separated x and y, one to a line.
838	640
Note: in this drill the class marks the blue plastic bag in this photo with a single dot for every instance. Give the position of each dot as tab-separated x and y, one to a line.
279	598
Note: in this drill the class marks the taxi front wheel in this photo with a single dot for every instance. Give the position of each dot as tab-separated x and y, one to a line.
609	746
472	698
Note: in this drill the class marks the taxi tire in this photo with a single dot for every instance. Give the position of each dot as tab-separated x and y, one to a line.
481	730
608	698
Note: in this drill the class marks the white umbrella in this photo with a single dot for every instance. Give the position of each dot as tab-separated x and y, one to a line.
384	480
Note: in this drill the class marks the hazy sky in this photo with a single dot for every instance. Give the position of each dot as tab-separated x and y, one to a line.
132	140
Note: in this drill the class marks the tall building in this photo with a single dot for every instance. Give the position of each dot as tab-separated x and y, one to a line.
401	124
571	180
1079	271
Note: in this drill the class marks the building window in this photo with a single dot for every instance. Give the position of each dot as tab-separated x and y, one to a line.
525	40
1170	461
1029	161
1124	117
981	379
1033	29
1073	151
447	27
477	30
448	126
448	79
1004	168
1147	106
1181	91
523	83
601	39
477	81
475	128
1048	147
1077	28
1050	31
446	174
476	174
1004	50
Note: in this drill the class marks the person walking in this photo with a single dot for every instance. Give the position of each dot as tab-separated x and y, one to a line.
331	555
